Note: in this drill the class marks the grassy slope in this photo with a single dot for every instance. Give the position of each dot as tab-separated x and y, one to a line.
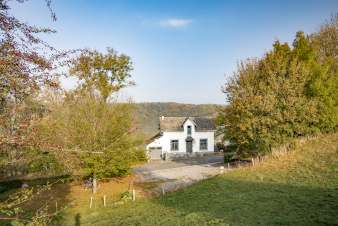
299	188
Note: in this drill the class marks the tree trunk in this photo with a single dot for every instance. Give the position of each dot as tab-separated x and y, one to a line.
94	184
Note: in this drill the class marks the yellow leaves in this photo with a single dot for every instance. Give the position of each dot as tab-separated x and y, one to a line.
88	124
106	73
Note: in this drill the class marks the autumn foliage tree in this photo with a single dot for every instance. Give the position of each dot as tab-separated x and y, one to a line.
290	92
79	131
100	136
26	64
105	73
86	122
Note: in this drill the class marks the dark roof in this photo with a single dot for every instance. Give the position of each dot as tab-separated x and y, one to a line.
151	139
176	123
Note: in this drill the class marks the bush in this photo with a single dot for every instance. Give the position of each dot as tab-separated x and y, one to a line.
126	196
220	147
229	156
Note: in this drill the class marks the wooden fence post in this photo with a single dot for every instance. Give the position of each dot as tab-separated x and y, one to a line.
134	195
163	191
104	200
94	184
131	184
91	202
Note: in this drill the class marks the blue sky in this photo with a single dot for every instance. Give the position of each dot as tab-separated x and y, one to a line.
181	50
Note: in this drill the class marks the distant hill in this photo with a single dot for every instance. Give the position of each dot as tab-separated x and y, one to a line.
149	113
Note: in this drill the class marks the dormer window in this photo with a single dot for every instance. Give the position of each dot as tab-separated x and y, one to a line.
189	130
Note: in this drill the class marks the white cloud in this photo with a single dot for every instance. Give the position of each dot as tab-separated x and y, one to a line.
175	23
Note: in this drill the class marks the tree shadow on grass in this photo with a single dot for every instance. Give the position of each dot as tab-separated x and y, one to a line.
256	203
52	198
77	219
9	185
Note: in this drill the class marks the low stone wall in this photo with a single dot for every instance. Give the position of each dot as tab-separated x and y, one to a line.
179	156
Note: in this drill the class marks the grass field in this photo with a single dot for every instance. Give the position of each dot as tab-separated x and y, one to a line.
297	188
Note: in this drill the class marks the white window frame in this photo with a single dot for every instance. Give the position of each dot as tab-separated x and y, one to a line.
172	145
206	144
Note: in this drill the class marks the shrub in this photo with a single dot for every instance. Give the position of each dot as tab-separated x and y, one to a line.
220	147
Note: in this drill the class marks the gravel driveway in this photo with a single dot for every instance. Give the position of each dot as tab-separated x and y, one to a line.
172	175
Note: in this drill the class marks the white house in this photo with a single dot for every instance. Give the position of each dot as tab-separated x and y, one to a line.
183	135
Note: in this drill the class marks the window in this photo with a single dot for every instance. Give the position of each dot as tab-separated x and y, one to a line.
203	144
174	145
189	130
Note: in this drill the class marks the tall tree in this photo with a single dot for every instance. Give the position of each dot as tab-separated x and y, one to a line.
323	83
106	73
290	92
26	64
101	135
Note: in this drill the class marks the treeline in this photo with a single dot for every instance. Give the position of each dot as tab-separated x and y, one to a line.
290	92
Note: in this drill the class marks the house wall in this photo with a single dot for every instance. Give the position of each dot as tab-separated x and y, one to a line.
164	140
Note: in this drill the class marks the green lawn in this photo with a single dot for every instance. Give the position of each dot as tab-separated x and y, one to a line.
299	188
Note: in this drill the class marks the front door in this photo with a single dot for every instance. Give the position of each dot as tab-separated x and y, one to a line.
189	146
